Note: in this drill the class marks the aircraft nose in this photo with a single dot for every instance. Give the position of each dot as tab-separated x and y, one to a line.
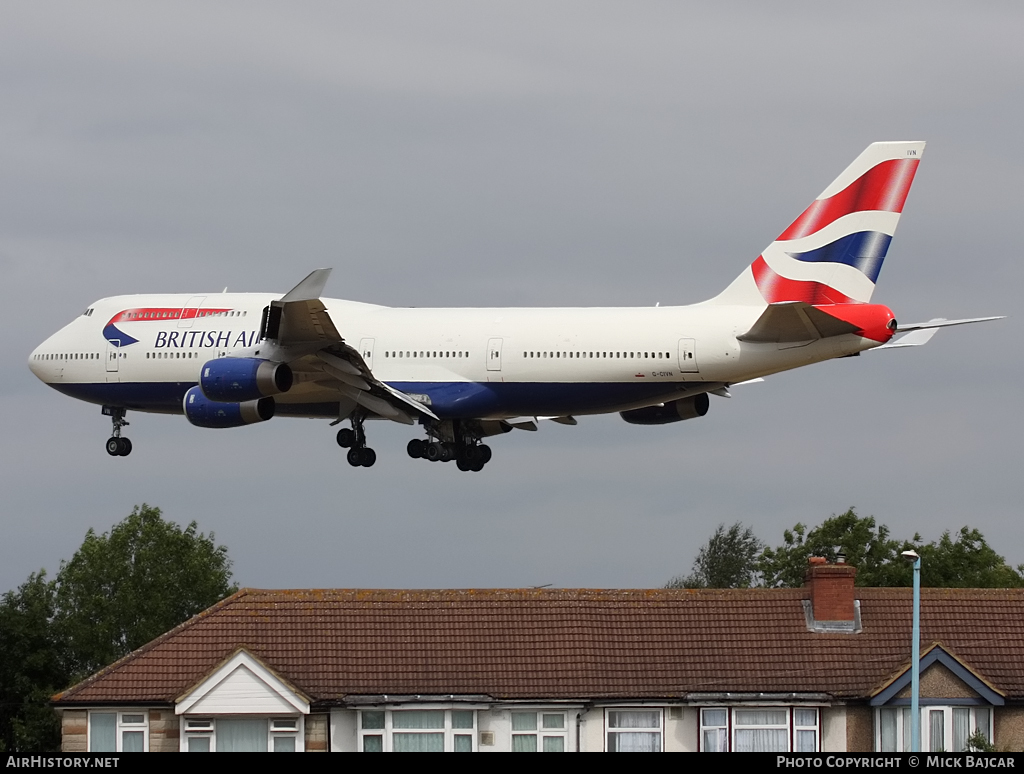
35	362
41	362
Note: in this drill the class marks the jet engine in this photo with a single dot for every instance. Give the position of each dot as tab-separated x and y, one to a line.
239	379
673	411
203	412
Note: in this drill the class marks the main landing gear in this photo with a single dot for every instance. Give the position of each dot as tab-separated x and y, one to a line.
116	445
468	453
359	454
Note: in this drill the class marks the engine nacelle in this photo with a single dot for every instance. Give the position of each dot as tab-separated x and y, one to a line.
674	411
203	412
239	379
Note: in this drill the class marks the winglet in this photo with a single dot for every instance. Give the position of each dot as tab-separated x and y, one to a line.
310	288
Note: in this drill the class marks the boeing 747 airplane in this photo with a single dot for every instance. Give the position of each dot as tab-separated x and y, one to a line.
232	359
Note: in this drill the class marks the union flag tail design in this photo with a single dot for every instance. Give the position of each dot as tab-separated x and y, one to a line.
833	252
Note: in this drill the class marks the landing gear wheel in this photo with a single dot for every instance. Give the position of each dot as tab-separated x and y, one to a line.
361	457
485	453
434	451
464	464
417	448
346	438
116	445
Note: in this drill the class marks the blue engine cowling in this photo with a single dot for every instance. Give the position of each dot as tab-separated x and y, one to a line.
238	379
203	412
674	411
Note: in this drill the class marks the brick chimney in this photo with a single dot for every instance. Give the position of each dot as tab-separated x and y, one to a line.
831	588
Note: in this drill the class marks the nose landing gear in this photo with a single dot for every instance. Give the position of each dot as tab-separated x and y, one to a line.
116	445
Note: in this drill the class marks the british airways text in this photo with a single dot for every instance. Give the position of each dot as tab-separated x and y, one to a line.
199	339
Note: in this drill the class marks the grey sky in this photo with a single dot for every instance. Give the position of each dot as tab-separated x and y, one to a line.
469	154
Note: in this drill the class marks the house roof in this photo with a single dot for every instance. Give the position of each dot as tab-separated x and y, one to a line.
567	643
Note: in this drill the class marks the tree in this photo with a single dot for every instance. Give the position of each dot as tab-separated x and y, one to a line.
867	547
31	669
127	587
727	561
967	562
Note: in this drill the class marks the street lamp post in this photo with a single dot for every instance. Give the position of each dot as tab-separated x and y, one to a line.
915	657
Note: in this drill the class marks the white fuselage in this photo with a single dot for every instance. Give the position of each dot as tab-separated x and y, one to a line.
140	353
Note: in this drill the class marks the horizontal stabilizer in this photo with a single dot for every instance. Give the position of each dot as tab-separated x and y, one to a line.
914	339
918	334
792	321
942	322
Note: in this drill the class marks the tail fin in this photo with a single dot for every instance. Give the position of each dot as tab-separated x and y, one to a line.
833	252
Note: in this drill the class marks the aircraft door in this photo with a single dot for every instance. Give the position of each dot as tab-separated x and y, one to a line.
494	354
366	350
190	311
113	360
688	356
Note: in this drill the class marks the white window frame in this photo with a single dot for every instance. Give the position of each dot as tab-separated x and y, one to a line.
658	729
450	732
727	733
903	733
540	732
720	730
278	726
121	727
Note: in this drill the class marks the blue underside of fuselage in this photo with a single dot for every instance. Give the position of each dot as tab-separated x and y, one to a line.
449	400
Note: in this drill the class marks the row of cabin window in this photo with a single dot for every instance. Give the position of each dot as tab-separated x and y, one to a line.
171	355
612	355
404	354
70	356
176	314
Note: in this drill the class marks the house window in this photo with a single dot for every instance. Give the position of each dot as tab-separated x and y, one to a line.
284	733
634	730
417	730
942	728
242	734
538	731
119	731
714	730
760	729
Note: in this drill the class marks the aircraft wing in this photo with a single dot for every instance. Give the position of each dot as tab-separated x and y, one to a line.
301	333
299	317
